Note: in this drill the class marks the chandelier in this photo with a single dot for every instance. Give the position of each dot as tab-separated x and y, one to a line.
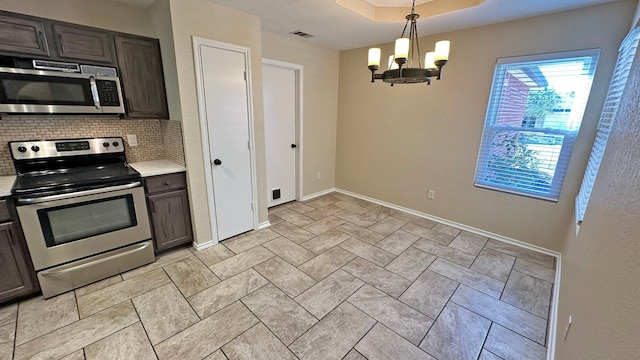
405	66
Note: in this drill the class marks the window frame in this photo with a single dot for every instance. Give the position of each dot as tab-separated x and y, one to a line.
626	54
489	128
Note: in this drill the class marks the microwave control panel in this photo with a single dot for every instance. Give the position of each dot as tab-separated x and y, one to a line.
108	93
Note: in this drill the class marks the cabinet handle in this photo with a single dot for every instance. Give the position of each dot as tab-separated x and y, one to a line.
167	183
61	42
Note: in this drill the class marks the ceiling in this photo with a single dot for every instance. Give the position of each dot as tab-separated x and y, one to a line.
336	27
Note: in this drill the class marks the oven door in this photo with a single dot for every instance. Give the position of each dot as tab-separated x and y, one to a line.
67	227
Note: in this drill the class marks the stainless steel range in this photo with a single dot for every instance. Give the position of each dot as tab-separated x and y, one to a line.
82	209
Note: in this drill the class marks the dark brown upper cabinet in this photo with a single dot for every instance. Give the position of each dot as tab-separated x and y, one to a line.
142	77
83	44
23	36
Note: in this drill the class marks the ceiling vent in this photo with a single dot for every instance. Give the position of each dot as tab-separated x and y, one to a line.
302	34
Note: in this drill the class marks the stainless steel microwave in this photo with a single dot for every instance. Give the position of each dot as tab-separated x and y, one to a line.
35	91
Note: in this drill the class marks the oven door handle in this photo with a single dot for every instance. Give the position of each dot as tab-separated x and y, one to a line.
37	200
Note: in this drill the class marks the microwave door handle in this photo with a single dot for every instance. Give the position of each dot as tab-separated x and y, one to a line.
94	92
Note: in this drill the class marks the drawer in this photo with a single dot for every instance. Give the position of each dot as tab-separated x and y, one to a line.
162	183
4	210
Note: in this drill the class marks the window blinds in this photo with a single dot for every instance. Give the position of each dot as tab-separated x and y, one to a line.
534	114
616	88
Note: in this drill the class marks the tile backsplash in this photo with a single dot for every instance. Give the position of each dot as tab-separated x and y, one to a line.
157	139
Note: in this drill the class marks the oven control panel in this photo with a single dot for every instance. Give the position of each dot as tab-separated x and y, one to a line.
43	149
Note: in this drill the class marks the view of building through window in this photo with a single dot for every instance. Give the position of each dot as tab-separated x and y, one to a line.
534	115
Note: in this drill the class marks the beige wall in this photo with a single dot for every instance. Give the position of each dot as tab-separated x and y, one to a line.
600	283
206	19
320	104
396	143
97	13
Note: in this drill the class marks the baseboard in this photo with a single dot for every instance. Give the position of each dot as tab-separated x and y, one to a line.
203	246
553	318
454	224
318	194
264	225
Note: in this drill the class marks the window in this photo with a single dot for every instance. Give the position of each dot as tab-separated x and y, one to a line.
618	81
533	117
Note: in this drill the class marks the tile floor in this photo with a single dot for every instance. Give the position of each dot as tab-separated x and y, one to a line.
332	278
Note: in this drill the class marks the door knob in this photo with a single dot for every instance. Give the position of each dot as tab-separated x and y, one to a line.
217	162
293	146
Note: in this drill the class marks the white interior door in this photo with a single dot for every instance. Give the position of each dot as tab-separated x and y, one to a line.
225	94
280	109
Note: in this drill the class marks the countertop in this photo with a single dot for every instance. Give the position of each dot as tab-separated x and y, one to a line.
6	182
155	167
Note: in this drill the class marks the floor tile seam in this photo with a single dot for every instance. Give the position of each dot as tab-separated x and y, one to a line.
196	323
357	277
525	310
364	258
249	329
15	333
145	329
468	253
417	277
501	324
486	337
395	332
126	327
305	310
180	290
438	315
235	337
520	257
459	282
410	245
130	298
335	307
221	279
70	324
535	277
224	307
272	283
185	299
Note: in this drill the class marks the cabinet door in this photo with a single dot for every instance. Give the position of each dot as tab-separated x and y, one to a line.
142	78
79	43
15	272
170	219
22	36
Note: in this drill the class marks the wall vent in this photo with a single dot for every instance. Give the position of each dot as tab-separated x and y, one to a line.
301	34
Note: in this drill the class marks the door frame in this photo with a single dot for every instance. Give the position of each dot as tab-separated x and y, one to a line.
299	72
204	126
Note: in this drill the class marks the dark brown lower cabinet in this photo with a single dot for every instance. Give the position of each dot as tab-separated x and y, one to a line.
169	211
17	277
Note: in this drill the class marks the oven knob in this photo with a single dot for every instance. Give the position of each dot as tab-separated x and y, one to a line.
35	148
115	143
105	144
22	149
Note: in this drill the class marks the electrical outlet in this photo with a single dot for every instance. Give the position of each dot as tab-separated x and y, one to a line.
318	175
132	140
568	327
431	195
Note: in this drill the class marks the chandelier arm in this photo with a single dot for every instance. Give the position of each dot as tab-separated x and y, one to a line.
415	30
